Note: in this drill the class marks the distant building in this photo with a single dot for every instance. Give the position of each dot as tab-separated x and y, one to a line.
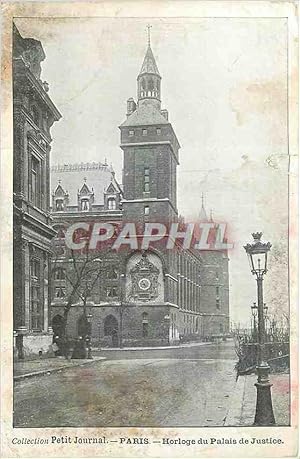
139	298
33	115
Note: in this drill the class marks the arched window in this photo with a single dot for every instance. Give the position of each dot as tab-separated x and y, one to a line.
143	88
111	204
59	204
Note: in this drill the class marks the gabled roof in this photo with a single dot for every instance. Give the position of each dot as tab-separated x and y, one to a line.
114	186
149	64
59	191
84	190
145	114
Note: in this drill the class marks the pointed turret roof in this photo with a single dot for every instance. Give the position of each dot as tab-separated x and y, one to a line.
149	64
202	214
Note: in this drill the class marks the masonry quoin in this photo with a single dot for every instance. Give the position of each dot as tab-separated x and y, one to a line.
201	236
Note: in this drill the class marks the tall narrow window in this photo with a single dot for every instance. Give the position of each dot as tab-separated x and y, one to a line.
145	324
146	210
35	176
145	329
35	291
59	204
112	205
59	274
85	204
146	179
145	132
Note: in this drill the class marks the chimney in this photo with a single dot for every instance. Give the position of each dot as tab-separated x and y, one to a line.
165	114
131	106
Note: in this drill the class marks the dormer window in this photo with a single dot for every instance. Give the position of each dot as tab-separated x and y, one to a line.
59	205
131	133
111	204
84	205
144	132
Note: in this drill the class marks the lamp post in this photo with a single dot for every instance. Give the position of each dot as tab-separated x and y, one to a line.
266	320
88	338
122	292
257	253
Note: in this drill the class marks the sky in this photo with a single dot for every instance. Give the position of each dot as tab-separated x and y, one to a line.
224	83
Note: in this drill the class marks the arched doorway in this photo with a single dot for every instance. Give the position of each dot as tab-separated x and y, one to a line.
58	325
111	328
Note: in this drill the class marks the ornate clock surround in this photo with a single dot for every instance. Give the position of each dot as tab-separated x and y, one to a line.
144	280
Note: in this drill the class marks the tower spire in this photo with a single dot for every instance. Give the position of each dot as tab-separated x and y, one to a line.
149	78
149	34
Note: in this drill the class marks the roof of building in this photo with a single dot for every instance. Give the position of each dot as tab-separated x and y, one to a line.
149	64
145	114
72	177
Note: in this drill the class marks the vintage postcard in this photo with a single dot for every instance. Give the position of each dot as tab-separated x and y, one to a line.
149	247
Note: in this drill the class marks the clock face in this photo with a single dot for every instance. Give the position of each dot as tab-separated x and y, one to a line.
144	284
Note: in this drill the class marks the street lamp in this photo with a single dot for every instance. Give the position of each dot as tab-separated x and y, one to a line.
257	253
88	338
266	320
122	294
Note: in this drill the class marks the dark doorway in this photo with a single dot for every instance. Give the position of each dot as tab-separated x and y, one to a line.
111	328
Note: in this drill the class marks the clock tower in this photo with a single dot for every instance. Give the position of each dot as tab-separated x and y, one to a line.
150	149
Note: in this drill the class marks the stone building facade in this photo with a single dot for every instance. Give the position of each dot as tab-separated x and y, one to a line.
33	115
133	296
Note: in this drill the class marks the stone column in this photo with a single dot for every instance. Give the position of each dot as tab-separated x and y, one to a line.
49	283
45	292
26	285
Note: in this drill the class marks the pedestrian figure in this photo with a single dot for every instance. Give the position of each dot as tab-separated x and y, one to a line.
79	351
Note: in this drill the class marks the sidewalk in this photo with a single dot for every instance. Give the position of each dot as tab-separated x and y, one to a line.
243	400
29	368
153	348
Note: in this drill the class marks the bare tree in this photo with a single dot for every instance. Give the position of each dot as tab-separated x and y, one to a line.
81	278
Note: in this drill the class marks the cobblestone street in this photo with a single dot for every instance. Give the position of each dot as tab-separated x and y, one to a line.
183	389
